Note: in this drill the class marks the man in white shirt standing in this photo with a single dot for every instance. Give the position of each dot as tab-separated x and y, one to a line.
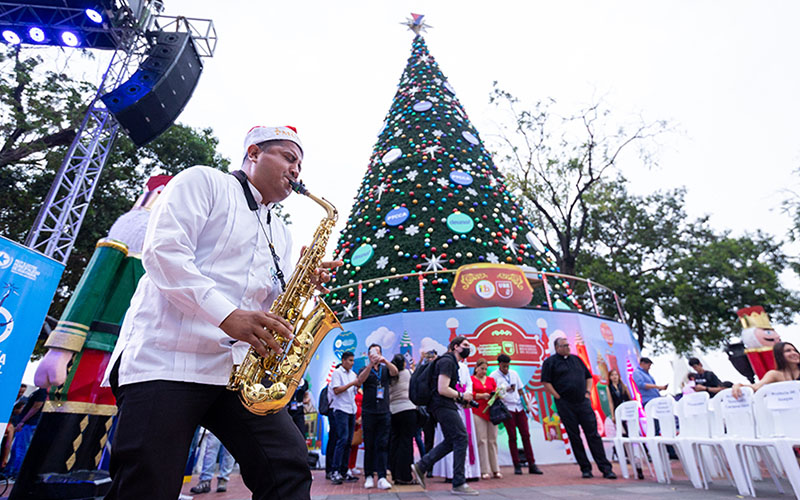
505	377
215	260
342	395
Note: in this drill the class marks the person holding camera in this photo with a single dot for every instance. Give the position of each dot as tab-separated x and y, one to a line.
376	418
512	398
483	387
444	405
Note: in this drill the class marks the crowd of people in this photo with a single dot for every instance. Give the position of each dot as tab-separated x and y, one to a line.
455	433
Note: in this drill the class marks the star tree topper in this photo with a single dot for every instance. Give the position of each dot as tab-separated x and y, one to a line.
416	24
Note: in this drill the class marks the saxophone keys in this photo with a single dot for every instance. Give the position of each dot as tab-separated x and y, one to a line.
277	390
255	392
305	339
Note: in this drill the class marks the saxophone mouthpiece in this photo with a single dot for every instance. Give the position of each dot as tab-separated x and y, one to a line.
298	187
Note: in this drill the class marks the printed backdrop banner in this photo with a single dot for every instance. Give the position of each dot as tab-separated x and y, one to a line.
28	281
524	334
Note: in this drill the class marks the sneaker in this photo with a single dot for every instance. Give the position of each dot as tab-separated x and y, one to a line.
369	483
383	484
354	472
464	489
419	474
535	470
203	486
222	485
349	478
336	478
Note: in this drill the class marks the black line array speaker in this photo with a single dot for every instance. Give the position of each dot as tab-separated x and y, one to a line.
151	100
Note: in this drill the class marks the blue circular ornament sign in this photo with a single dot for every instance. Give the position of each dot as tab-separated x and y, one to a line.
362	255
396	216
460	223
460	177
345	341
423	106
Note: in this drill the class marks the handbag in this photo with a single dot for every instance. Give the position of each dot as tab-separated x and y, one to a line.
498	412
358	437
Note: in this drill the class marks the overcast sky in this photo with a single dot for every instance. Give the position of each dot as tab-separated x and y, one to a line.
724	73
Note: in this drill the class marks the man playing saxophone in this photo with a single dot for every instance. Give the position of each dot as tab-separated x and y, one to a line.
216	259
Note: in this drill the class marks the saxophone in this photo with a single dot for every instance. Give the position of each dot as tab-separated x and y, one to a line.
266	384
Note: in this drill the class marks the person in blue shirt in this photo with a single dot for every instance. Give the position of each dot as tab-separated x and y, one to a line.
645	382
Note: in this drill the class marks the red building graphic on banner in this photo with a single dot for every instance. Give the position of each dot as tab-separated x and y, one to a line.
502	336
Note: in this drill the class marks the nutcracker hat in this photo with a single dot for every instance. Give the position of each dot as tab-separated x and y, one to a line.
259	134
754	316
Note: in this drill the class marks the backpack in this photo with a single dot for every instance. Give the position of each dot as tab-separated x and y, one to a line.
323	403
422	384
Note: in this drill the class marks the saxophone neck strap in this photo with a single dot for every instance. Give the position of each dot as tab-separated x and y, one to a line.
252	205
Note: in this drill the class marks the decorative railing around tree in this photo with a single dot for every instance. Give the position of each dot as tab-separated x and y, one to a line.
589	297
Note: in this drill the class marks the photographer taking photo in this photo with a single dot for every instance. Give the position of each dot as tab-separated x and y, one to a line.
444	407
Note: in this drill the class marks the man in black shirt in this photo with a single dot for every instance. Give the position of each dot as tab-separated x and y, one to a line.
568	380
443	407
705	380
375	417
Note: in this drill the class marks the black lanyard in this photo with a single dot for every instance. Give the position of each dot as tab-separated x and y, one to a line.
252	205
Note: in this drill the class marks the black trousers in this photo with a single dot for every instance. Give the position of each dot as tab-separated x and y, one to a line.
376	427
330	448
155	425
574	414
430	431
455	440
401	444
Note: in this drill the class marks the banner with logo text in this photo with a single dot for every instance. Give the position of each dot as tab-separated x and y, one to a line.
525	334
28	281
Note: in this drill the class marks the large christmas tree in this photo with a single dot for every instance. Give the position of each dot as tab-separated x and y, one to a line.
432	200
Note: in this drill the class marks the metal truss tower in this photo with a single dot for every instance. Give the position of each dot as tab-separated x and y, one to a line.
56	226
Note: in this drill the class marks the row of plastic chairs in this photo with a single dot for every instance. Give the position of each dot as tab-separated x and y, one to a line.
721	436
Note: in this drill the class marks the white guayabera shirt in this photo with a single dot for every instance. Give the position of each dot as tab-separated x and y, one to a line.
204	255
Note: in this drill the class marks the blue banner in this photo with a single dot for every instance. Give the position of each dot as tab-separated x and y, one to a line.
28	281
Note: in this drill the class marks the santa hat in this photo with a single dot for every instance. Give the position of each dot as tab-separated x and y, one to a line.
259	134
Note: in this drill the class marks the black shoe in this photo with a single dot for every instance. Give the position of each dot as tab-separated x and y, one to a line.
350	478
336	478
328	475
535	470
609	475
587	475
418	473
639	473
518	470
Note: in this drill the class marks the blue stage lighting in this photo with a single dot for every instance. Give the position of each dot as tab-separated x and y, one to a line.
11	37
69	38
36	34
94	16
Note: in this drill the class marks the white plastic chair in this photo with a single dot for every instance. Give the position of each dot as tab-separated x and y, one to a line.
697	448
740	437
629	448
777	410
662	410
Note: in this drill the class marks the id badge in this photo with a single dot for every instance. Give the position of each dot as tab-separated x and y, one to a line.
294	406
379	392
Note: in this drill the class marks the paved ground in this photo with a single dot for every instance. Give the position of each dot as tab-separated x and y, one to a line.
558	481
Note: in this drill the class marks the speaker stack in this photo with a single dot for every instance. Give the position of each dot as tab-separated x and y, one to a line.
151	100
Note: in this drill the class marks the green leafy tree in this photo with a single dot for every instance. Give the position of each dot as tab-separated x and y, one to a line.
40	112
681	281
555	163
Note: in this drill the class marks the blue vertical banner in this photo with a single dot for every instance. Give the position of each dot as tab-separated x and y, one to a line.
28	281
